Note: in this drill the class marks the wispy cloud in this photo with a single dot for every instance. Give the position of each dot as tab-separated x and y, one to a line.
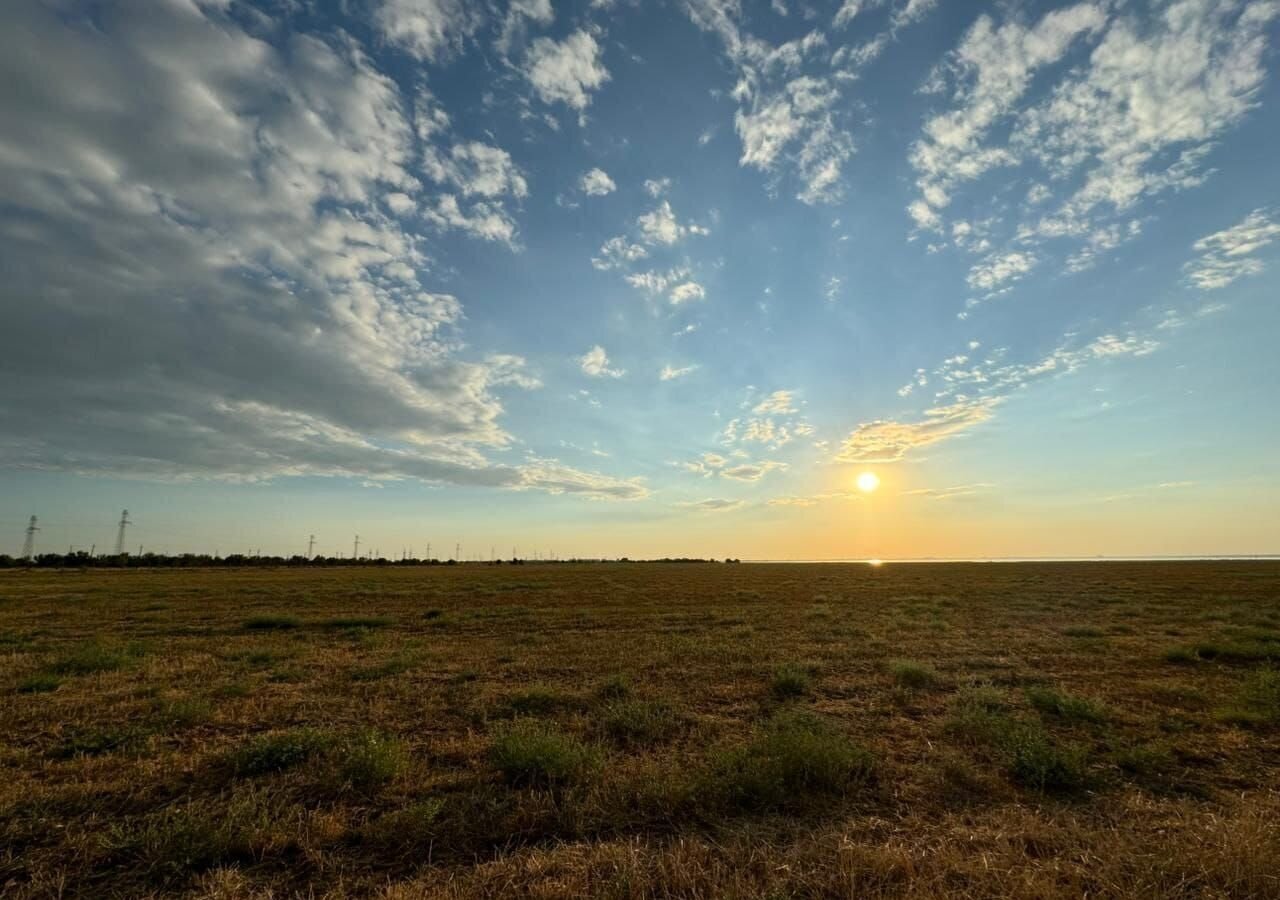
1230	254
595	363
671	373
596	183
711	504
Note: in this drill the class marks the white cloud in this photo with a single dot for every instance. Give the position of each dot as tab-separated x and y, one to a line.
999	269
670	373
566	71
656	187
428	29
596	183
1136	118
950	493
595	362
1229	254
711	504
618	252
686	291
751	471
888	441
777	403
519	14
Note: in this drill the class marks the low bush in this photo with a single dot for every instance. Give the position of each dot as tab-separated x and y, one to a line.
533	753
790	681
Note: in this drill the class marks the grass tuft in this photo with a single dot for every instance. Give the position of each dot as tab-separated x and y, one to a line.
794	757
634	723
39	684
279	751
95	657
369	760
1065	706
790	681
537	754
913	675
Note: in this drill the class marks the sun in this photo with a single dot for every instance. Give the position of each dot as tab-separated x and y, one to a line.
867	482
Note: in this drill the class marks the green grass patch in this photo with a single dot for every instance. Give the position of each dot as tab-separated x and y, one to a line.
368	760
39	684
397	665
538	754
794	757
1257	701
1064	706
913	675
537	700
635	723
790	681
615	687
279	751
1083	631
95	657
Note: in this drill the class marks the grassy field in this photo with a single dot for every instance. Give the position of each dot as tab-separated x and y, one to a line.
627	731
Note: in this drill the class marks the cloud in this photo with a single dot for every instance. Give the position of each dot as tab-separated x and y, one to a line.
595	362
888	441
661	226
618	252
519	14
566	71
596	183
711	504
427	29
751	471
656	187
792	118
686	291
972	390
1134	118
213	248
1229	254
671	373
999	269
950	493
777	403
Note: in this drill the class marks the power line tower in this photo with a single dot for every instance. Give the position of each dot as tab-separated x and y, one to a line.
29	544
355	550
311	547
428	551
457	551
124	523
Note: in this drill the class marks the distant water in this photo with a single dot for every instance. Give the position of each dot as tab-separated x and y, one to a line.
1022	559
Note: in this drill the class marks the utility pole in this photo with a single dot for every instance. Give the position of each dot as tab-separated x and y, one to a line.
355	550
457	551
311	546
428	551
124	523
29	544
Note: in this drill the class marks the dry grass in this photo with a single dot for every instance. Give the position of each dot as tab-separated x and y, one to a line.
643	731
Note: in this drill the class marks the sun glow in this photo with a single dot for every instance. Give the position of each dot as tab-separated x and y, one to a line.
867	482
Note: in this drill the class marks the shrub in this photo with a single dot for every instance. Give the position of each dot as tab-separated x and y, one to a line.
271	623
532	753
369	760
790	681
1065	706
913	675
793	757
278	751
639	722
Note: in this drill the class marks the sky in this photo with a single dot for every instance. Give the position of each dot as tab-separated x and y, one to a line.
629	278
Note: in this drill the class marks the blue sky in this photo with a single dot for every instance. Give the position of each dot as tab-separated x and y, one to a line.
629	278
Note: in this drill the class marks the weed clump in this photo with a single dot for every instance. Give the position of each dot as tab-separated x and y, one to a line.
368	760
39	684
1065	706
790	681
537	700
913	675
540	755
615	687
632	723
279	751
95	657
1257	702
796	756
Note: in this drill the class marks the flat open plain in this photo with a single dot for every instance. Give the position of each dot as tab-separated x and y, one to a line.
643	730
